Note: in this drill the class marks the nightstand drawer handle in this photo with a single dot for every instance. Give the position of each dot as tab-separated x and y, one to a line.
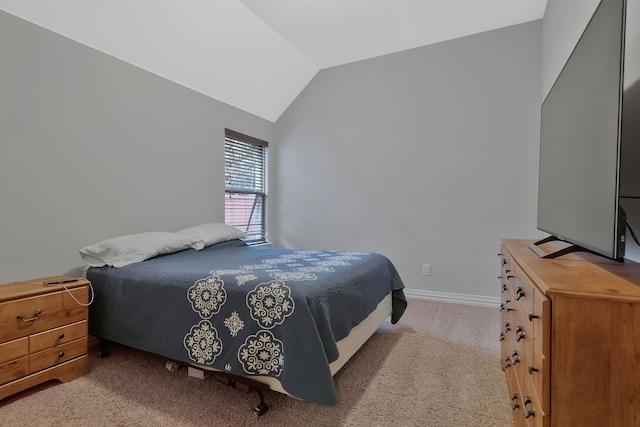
61	354
35	316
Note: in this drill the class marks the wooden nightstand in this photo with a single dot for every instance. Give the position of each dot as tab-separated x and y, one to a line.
43	333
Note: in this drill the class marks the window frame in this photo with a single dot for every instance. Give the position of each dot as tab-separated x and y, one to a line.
257	149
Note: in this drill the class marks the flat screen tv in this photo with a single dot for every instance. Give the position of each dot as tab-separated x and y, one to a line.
589	160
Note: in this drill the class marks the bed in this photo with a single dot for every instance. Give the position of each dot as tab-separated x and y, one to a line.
286	318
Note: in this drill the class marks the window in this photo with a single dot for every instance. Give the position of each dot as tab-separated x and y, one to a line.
245	170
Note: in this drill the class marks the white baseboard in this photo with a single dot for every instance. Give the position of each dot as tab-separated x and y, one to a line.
453	298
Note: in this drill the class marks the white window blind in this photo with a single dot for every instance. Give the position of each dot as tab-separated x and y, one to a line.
245	168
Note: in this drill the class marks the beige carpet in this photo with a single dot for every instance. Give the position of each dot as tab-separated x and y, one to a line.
439	366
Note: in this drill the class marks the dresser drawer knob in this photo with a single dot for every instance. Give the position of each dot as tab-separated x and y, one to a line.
60	336
514	398
35	316
528	412
61	354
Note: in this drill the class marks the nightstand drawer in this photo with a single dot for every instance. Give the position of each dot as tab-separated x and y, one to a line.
13	370
31	315
25	316
59	354
14	350
55	337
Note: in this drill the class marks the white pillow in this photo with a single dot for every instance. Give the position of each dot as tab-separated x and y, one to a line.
213	233
125	250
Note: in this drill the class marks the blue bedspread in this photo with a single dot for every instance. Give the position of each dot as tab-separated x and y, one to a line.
246	310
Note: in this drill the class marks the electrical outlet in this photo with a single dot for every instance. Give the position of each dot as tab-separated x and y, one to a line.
426	270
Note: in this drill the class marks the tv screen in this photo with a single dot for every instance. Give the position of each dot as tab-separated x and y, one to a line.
578	192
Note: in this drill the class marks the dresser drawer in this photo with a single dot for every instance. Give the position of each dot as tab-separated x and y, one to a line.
31	315
13	370
59	354
540	317
14	350
534	415
538	371
523	295
57	336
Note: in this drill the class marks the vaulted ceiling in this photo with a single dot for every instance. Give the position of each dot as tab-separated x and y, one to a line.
257	55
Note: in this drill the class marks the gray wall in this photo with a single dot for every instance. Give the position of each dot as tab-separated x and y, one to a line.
428	156
562	25
92	148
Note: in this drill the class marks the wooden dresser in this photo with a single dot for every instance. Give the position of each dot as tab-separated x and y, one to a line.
43	333
570	339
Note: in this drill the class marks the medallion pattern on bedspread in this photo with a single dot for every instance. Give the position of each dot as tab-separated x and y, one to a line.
203	343
207	296
269	304
262	354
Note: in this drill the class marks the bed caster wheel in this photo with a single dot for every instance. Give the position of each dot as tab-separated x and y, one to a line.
261	409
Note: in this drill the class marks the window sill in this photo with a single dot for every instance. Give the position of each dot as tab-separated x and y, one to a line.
261	244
